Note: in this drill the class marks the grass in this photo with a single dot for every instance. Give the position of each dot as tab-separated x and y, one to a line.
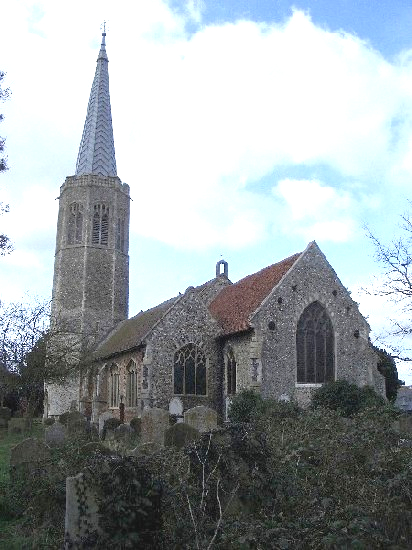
9	527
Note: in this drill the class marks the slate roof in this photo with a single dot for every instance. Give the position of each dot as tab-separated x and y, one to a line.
234	305
129	333
96	152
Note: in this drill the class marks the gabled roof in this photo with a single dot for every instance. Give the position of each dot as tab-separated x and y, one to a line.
96	152
129	333
235	304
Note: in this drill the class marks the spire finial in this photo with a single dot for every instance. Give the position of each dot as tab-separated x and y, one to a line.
103	29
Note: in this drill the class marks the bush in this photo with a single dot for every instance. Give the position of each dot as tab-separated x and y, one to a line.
244	405
345	398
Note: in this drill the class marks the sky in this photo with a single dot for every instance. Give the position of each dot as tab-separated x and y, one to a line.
245	129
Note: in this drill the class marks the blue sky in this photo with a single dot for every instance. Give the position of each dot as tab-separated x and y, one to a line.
245	129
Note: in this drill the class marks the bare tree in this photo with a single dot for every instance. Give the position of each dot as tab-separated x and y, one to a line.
5	244
395	284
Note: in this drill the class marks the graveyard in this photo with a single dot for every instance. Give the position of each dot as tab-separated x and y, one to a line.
274	476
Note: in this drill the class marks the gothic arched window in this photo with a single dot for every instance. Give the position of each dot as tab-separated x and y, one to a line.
75	224
131	384
230	372
315	346
100	230
114	389
189	371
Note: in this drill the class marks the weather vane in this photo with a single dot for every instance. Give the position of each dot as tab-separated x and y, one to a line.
103	27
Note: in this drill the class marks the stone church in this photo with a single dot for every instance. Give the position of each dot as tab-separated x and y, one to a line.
282	331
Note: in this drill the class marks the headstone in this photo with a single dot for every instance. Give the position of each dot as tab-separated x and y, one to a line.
28	455
82	517
74	421
202	418
55	435
176	407
180	435
5	415
154	424
124	431
102	419
17	425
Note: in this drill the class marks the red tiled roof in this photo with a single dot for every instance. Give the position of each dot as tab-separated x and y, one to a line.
233	306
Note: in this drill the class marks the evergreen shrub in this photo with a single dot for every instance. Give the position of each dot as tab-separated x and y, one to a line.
345	398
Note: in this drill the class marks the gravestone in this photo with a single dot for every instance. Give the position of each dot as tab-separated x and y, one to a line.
17	425
154	424
180	435
82	515
5	415
102	419
176	408
55	435
202	418
28	456
74	421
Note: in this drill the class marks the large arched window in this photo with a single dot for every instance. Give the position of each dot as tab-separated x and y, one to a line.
189	371
114	389
230	372
75	224
131	384
315	346
100	231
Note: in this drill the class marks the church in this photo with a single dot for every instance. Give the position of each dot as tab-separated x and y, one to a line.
282	331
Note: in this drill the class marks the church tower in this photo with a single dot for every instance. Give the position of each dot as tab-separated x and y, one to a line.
91	269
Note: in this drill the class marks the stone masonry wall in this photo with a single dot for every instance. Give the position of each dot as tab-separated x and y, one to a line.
311	279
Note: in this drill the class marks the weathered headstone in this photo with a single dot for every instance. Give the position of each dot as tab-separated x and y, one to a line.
154	424
82	515
180	435
102	419
55	435
124	431
202	418
28	455
74	421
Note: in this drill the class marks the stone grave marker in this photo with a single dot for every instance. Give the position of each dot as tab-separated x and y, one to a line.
27	456
55	435
102	419
5	415
154	424
179	435
82	515
202	418
17	425
176	408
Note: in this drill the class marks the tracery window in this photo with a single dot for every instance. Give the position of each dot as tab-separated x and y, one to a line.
75	223
190	371
114	387
120	236
100	230
231	372
131	384
315	346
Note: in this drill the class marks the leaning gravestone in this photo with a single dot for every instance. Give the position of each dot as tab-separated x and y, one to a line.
82	517
102	419
5	415
55	435
154	424
28	456
202	418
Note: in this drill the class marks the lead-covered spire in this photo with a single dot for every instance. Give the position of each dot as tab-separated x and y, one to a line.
96	152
